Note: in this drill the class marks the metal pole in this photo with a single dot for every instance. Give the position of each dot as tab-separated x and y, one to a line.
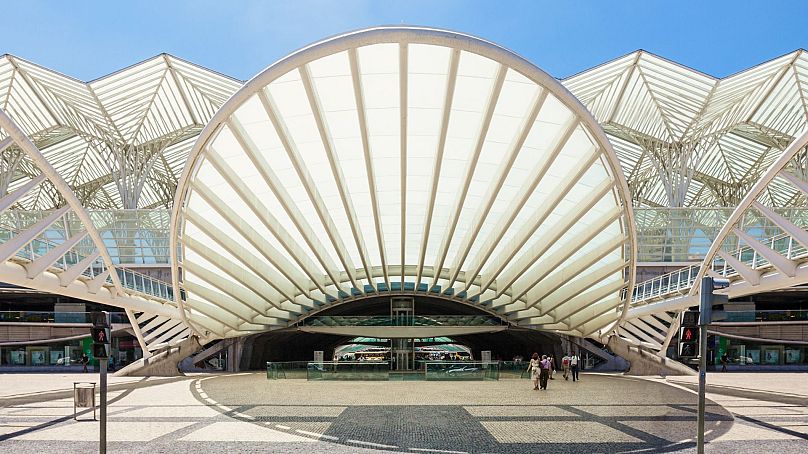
102	447
702	383
706	299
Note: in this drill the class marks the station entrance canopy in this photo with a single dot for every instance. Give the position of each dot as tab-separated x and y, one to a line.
403	160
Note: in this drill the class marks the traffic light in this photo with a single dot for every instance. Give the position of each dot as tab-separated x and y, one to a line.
100	333
688	342
690	318
100	351
710	300
99	319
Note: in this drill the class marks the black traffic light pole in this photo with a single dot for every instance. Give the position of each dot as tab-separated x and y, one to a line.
100	334
706	301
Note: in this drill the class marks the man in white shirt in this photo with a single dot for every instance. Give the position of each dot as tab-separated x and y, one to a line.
574	360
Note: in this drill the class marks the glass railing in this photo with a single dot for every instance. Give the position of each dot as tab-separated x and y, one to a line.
418	320
346	371
380	370
683	279
56	317
50	240
287	370
460	370
514	369
145	284
677	281
783	244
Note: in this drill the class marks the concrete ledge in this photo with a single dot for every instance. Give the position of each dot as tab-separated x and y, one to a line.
645	363
164	363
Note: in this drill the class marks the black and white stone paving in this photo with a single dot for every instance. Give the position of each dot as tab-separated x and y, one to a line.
247	413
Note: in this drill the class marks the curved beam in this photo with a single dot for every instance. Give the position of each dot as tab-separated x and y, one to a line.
774	170
22	141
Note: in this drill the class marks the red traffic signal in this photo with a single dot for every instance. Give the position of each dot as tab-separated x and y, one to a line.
689	334
100	335
688	342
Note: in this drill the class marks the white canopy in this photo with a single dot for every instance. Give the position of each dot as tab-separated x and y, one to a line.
403	160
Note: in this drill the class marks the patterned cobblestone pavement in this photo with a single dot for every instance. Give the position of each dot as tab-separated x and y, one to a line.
597	414
247	413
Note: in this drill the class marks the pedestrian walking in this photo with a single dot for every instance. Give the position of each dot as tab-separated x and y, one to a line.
724	361
552	366
85	361
565	366
544	375
533	369
574	360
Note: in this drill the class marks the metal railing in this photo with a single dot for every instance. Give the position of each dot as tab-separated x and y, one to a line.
680	281
130	280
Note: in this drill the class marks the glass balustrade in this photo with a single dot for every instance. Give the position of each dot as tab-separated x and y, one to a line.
460	371
287	370
50	240
765	315
682	280
348	370
514	369
380	370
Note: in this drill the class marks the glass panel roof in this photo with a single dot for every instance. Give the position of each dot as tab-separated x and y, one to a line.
666	122
686	139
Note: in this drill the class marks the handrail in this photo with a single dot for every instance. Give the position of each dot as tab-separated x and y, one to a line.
674	283
131	280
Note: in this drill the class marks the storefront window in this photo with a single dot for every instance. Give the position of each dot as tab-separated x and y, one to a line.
750	353
124	351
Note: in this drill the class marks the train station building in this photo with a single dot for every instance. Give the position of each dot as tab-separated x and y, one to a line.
402	195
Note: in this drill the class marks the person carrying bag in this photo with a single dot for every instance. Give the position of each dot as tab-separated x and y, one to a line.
533	370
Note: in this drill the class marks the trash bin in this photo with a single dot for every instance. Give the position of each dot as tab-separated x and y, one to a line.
83	396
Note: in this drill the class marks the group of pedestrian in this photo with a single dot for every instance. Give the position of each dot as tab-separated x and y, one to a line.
541	369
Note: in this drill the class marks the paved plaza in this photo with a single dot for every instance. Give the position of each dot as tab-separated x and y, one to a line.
247	413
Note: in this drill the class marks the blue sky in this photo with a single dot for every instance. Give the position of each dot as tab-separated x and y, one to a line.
89	39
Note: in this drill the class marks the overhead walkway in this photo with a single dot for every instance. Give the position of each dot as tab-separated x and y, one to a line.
419	326
760	265
418	320
62	252
404	327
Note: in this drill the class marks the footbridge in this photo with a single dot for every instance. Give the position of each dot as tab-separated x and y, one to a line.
758	265
62	252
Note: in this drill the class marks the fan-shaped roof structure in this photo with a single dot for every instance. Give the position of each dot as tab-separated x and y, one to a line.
403	160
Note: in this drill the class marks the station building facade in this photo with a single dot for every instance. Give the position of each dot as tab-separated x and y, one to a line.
410	160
